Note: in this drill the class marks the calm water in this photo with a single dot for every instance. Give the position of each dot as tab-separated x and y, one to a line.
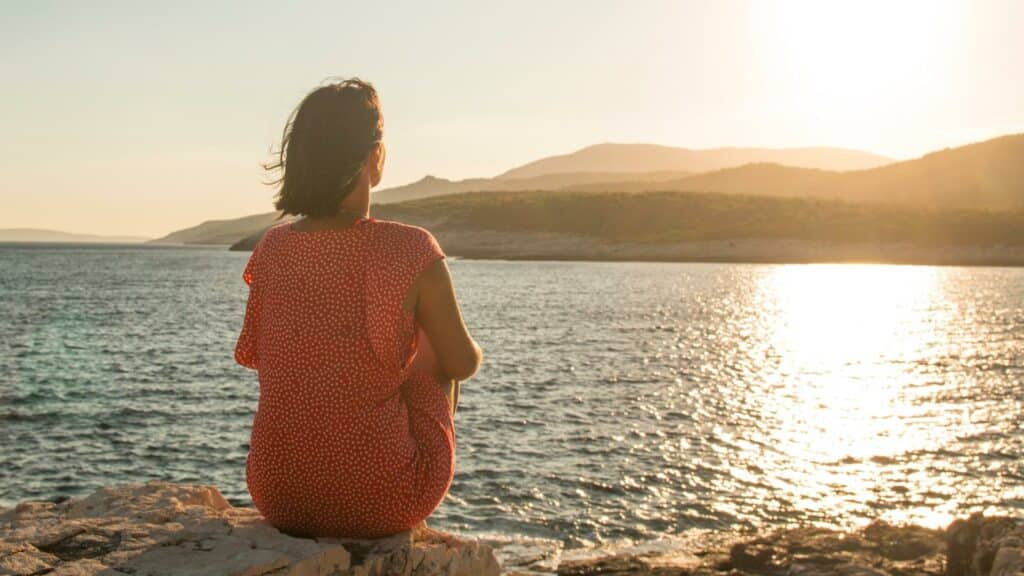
618	401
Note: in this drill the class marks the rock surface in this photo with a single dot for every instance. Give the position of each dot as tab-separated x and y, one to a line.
160	528
977	546
980	546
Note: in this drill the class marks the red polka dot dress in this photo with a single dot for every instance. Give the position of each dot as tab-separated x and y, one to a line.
348	439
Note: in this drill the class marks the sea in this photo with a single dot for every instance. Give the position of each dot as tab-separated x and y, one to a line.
618	403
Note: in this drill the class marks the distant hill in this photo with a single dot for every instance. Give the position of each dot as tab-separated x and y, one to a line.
604	166
652	157
432	186
613	163
650	217
220	231
987	175
39	235
229	231
705	227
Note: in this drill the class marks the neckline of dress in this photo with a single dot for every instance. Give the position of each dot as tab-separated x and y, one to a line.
354	226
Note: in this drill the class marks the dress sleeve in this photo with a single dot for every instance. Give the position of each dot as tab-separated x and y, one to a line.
425	251
399	255
245	348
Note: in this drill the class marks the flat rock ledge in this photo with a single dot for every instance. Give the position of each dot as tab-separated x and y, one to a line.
976	546
161	528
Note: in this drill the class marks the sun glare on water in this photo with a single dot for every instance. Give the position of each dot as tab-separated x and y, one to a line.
847	339
849	314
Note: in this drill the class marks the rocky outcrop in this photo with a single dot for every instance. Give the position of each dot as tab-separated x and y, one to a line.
160	528
975	547
877	550
980	546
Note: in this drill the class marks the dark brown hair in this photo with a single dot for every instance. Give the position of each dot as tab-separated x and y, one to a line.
325	144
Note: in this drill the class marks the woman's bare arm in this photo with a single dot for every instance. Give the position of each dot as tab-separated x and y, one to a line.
437	312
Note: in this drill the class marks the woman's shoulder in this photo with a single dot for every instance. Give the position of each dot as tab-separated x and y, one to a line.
395	230
271	236
399	238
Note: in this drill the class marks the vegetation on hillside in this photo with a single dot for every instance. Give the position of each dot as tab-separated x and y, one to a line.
654	217
972	195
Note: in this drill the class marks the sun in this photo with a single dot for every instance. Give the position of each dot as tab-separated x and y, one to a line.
850	62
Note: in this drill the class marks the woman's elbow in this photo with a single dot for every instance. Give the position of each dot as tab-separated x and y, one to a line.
467	364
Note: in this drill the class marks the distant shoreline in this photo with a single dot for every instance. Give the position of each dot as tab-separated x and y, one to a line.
738	260
569	249
39	235
513	246
101	244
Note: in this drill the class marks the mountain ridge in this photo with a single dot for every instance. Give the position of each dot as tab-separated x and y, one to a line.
434	186
986	175
654	157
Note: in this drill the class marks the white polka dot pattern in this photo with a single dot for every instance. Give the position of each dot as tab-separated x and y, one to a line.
348	440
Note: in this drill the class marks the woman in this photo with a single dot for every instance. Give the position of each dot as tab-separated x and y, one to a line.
353	327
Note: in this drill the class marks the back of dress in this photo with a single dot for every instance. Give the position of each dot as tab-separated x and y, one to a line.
347	439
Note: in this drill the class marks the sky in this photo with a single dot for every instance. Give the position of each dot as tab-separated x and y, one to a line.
141	118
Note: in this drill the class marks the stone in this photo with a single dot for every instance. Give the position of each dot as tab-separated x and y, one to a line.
904	542
797	569
1008	562
980	546
85	567
164	529
742	558
23	559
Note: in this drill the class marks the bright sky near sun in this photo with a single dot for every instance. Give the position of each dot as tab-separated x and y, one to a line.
144	117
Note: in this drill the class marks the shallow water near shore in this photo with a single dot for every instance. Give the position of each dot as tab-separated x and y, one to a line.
617	402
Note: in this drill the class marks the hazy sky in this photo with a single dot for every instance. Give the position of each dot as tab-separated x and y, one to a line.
143	117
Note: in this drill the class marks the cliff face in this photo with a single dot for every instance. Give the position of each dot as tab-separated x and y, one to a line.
160	528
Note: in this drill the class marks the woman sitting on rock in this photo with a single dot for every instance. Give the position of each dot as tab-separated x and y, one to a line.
353	327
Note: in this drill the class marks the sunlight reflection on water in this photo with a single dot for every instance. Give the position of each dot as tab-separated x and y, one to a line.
843	399
851	334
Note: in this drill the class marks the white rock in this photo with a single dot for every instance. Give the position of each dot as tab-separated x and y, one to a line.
163	529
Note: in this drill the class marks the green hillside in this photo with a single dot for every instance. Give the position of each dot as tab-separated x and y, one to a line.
972	195
656	217
695	226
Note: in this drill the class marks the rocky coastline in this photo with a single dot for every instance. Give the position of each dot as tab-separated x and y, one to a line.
975	546
164	529
160	528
